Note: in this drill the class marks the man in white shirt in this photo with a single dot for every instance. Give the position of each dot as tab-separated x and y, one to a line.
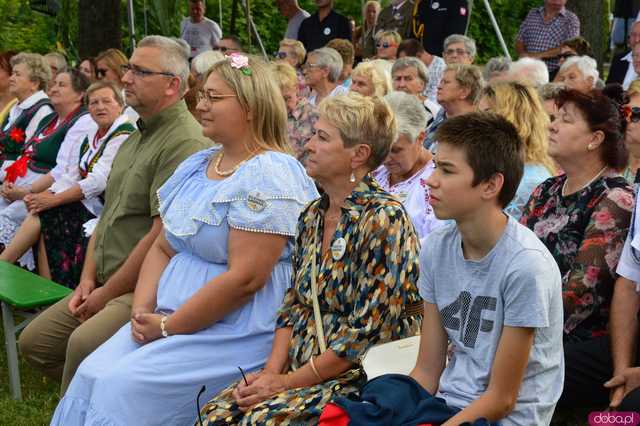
294	15
200	33
622	70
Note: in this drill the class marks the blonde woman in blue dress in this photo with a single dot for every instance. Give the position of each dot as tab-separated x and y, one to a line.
210	287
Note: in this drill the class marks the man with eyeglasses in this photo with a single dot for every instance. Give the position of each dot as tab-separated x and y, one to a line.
435	20
324	25
155	81
200	32
459	49
622	70
544	29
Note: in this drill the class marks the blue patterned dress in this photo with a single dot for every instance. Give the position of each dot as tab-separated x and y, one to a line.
123	382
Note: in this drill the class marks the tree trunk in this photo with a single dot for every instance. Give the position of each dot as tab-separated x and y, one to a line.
594	25
98	26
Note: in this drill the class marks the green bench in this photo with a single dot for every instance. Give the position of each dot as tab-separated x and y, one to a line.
23	293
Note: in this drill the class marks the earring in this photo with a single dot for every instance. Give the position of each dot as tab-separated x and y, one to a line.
352	178
590	147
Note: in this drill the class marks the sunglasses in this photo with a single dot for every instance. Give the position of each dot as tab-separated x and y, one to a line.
280	55
101	73
385	45
631	114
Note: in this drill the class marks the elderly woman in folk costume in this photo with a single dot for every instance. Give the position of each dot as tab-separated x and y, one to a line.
46	153
57	215
30	75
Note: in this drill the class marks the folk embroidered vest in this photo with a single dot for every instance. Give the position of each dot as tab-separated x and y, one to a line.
87	162
12	140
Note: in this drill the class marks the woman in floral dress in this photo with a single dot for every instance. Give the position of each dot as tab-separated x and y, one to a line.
360	245
583	216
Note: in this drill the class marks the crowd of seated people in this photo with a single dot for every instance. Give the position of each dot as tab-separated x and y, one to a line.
287	215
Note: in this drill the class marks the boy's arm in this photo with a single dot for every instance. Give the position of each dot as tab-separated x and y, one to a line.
507	373
433	350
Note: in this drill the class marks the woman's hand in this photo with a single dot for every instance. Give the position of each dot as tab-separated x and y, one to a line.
12	192
42	201
145	327
261	386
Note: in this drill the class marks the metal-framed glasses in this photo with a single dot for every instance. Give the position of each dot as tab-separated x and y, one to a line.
210	97
142	73
459	52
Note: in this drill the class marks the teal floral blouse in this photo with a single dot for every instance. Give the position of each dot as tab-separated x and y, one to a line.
362	294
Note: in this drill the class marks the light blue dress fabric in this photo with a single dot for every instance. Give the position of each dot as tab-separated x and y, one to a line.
534	175
124	383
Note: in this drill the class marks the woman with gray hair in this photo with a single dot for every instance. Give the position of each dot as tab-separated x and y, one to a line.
405	170
496	68
410	75
321	73
30	76
579	73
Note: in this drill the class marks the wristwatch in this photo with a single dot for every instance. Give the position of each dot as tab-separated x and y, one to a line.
163	323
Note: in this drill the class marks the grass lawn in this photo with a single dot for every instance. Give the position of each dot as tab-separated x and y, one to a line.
40	395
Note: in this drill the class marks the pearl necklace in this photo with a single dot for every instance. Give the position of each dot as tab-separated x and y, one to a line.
564	185
216	166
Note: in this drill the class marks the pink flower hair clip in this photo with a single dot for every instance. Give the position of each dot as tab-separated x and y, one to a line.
240	62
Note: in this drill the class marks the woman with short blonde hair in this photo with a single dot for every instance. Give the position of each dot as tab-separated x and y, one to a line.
387	43
368	80
109	65
521	105
354	224
293	51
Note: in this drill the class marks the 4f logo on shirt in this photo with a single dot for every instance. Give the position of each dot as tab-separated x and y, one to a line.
465	315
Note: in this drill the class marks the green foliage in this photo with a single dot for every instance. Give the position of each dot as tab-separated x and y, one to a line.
509	14
24	29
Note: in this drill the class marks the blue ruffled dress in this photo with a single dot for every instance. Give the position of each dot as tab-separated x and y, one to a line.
124	383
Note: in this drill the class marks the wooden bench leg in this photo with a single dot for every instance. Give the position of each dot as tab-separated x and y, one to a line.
12	350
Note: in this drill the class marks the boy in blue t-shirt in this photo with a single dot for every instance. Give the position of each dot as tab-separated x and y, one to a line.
489	285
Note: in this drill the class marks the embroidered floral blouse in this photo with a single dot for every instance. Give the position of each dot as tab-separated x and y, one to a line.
585	232
362	290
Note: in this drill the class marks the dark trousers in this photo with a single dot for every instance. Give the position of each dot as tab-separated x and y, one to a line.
587	366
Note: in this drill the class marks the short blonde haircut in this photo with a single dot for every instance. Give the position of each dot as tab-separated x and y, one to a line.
285	75
392	35
634	88
98	85
469	77
297	47
380	80
362	120
521	105
114	59
260	96
39	70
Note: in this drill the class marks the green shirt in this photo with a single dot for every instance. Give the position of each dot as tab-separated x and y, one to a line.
147	159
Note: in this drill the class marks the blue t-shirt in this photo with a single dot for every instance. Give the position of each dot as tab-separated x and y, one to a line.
517	284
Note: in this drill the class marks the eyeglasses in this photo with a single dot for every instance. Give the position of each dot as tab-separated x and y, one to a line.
459	52
308	65
101	73
142	73
222	49
566	55
631	114
385	45
210	97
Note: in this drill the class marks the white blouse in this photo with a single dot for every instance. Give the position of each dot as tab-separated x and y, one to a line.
414	194
67	171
